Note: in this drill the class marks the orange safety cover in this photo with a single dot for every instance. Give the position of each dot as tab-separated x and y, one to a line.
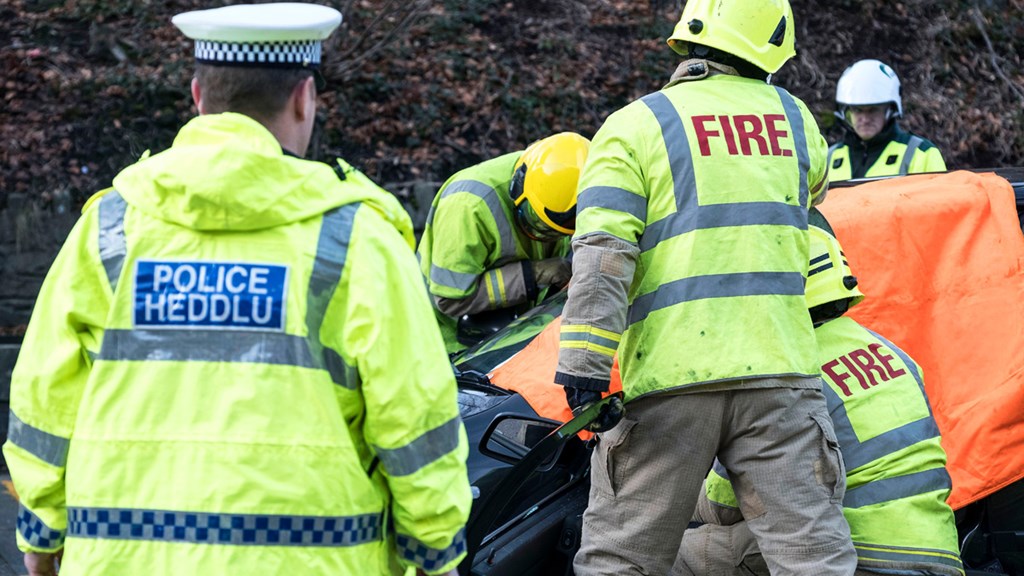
940	258
531	373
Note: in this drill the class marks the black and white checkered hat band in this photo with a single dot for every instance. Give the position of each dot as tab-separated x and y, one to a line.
304	54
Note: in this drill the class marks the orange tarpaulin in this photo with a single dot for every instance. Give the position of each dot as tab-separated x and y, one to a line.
531	373
941	260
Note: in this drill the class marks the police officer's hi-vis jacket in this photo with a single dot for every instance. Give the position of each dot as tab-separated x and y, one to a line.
472	249
693	210
896	480
893	152
233	369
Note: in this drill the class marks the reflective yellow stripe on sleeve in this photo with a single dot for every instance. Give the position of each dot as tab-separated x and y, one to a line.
589	338
501	285
489	282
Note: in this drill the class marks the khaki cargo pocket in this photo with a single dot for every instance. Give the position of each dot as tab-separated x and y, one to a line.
829	469
610	458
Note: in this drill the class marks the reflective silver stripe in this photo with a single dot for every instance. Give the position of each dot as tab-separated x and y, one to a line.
612	198
458	280
908	154
677	145
328	265
716	286
689	215
47	447
857	453
209	528
36	532
719	469
796	123
721	215
430	559
207	346
422	451
111	235
591	338
490	197
886	553
888	489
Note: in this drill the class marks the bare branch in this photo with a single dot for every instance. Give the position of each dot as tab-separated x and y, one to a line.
357	52
980	23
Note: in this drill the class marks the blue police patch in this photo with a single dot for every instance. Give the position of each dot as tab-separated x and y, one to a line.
211	295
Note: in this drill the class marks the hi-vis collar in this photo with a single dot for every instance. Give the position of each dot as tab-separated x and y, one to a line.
696	69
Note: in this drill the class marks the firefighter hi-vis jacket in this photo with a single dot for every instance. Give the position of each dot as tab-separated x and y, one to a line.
471	242
899	154
710	182
896	480
233	368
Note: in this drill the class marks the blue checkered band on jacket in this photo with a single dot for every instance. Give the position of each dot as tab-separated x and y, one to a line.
305	54
240	529
430	558
37	534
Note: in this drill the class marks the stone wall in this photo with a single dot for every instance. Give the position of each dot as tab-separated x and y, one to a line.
30	237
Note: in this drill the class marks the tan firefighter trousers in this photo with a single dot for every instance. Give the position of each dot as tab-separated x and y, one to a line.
782	456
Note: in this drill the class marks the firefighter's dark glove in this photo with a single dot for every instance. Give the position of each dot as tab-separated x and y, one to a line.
552	272
579	398
610	415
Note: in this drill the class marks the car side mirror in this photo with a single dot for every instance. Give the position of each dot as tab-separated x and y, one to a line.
510	436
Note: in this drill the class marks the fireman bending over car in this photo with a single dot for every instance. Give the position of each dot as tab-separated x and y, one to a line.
896	480
497	235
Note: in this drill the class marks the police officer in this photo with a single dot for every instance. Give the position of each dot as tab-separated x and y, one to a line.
233	368
497	235
869	106
896	483
690	255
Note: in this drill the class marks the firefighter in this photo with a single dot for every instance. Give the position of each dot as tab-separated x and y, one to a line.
232	367
689	258
497	235
869	106
896	483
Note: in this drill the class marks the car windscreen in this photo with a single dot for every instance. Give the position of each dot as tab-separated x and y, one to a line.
505	343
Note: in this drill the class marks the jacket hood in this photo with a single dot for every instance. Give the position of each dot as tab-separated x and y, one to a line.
228	172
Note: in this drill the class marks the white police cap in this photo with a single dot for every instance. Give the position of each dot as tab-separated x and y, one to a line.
285	34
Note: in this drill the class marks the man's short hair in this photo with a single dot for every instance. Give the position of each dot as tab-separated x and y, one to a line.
260	93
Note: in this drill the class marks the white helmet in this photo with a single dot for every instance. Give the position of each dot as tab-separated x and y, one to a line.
869	82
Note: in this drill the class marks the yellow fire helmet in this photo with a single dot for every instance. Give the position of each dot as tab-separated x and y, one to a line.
761	32
543	186
829	278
